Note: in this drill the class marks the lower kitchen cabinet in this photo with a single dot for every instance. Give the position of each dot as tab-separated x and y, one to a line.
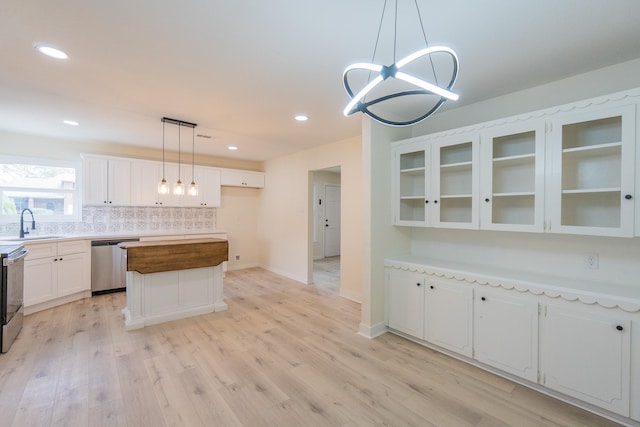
581	346
56	273
448	315
506	332
585	353
405	293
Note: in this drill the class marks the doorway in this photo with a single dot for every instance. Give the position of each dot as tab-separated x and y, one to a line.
325	229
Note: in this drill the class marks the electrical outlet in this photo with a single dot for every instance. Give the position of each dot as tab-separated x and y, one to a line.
237	257
591	261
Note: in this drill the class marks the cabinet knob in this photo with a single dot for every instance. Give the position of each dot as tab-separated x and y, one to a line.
620	328
418	284
435	201
483	298
60	259
426	201
432	287
628	196
110	201
487	200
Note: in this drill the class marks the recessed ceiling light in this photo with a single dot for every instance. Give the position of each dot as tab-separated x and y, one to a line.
302	118
51	51
71	122
232	147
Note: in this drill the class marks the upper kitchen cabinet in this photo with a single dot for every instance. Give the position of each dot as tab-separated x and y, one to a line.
455	180
237	178
512	178
592	180
208	181
106	181
411	179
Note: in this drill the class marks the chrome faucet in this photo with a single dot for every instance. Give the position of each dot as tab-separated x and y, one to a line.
33	222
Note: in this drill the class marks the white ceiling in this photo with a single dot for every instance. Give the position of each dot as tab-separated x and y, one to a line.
242	69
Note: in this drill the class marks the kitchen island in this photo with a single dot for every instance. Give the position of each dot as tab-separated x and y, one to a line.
173	279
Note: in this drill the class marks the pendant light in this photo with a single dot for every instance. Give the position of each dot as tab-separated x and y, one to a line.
193	188
163	188
178	187
391	82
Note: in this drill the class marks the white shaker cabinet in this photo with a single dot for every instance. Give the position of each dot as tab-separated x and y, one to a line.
237	178
208	181
106	181
506	332
56	273
592	178
405	296
512	178
585	353
455	180
448	315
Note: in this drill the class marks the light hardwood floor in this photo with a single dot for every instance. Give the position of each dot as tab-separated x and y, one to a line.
284	354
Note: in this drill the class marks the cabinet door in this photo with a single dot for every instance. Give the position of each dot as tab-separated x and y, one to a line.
448	315
208	181
95	172
405	291
506	332
145	177
411	196
512	181
119	182
585	353
455	174
39	281
72	274
593	172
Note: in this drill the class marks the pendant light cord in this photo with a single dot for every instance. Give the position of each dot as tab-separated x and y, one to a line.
163	123
179	132
433	68
193	153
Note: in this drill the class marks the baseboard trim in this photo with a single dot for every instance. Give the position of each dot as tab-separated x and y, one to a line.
374	331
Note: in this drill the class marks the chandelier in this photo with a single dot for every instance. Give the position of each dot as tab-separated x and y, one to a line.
408	85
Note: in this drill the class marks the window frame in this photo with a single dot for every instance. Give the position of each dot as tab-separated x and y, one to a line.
38	161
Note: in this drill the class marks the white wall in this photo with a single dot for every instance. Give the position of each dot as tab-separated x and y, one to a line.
238	216
286	209
560	255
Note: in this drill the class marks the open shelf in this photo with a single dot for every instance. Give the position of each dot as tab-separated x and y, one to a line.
456	209
592	133
412	160
513	209
593	209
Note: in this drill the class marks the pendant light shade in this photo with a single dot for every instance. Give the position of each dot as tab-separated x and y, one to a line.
391	95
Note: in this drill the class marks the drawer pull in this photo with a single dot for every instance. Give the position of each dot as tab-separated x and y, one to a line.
620	328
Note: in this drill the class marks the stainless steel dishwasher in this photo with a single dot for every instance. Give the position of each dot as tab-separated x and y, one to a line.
108	269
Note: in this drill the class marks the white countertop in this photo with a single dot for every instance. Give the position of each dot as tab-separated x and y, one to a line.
45	238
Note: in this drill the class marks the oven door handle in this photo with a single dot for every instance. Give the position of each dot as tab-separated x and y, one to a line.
8	261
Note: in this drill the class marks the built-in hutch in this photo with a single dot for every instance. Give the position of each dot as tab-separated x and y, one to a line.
568	170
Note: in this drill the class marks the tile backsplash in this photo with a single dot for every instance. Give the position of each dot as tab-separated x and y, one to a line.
122	219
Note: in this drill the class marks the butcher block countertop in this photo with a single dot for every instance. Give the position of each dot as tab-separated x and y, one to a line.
171	255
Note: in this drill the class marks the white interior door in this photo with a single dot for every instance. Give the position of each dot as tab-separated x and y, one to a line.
331	220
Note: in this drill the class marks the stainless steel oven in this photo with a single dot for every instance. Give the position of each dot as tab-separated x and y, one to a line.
11	293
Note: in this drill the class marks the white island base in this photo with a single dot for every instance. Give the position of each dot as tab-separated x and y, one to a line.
170	295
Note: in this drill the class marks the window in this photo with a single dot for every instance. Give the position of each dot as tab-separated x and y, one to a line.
46	187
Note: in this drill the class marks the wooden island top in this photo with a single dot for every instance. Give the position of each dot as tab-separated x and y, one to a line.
171	255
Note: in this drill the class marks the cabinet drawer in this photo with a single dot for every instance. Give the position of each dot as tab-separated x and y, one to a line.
73	246
40	250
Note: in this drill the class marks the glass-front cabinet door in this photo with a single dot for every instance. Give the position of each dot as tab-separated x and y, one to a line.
512	182
593	172
411	186
455	181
